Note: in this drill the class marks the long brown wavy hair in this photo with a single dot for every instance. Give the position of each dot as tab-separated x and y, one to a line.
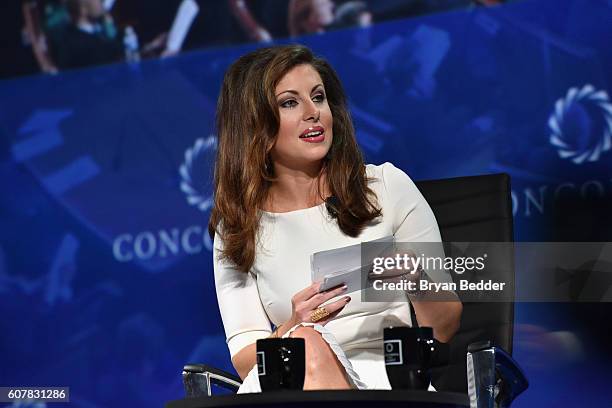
247	124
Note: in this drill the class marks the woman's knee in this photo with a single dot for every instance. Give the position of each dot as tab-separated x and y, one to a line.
323	370
313	339
318	352
308	333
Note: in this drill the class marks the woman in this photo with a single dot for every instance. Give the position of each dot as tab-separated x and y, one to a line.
286	143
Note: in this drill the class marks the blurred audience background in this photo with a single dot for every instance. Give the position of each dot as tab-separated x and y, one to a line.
52	35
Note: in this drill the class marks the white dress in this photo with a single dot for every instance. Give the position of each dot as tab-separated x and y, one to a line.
248	302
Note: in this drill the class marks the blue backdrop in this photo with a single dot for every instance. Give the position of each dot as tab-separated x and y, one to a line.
105	265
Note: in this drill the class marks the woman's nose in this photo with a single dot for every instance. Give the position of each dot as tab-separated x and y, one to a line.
312	113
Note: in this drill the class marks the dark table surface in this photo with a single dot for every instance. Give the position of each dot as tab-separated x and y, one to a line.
335	399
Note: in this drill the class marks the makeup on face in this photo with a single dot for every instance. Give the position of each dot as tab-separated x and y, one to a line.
306	124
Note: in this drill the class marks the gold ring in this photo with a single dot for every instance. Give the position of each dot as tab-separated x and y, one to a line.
319	313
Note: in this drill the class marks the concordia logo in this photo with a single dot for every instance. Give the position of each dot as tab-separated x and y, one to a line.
191	240
581	125
581	130
190	185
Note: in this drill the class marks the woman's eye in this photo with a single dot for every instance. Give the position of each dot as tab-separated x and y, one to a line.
319	98
289	104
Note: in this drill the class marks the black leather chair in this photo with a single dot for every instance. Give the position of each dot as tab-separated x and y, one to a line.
475	209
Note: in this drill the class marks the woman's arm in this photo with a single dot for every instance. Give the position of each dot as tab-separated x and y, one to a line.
253	29
414	221
443	317
244	360
244	318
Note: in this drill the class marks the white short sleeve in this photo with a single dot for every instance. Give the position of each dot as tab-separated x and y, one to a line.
413	219
244	318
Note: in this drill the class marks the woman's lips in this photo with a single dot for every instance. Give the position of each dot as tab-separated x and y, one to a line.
314	139
314	134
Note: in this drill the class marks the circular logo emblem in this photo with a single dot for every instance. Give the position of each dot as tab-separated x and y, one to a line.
195	177
581	125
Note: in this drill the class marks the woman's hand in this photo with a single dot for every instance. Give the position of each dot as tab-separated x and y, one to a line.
307	300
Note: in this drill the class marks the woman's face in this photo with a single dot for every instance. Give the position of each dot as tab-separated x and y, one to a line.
305	133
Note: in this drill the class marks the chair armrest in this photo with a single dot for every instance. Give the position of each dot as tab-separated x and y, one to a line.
198	379
494	378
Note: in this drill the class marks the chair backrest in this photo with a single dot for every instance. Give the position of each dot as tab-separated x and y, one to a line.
474	209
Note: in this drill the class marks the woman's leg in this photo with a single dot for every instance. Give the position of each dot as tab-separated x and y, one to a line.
323	370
